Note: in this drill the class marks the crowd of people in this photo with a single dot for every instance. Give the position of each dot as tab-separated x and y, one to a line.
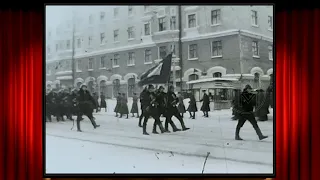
155	103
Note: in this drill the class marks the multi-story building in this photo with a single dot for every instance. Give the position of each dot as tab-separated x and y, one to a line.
113	45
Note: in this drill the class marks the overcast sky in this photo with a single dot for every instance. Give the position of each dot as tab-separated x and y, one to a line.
55	14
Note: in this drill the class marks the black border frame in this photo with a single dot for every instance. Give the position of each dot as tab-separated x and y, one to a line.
45	175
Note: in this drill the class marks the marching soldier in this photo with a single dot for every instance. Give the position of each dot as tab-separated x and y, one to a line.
192	108
205	108
86	105
96	98
117	108
124	106
246	113
262	106
150	106
172	110
134	107
143	98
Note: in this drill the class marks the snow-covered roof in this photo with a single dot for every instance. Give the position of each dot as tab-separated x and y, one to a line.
211	79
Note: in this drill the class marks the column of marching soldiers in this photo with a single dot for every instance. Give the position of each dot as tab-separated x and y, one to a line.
154	104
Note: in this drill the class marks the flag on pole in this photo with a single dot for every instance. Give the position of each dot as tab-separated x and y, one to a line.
158	74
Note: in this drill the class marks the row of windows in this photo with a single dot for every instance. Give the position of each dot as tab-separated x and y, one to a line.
162	25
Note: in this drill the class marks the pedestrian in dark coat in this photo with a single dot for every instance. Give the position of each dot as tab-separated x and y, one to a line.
68	105
143	98
60	100
86	105
134	107
205	108
181	107
117	108
192	108
172	110
124	106
49	104
96	98
246	113
103	103
262	106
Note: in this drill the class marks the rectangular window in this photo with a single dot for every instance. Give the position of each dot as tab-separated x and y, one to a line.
102	36
79	43
193	51
115	61
192	22
102	62
90	40
116	35
162	24
270	53
90	65
270	22
131	33
68	44
216	48
254	18
147	29
79	64
102	16
91	19
130	10
162	52
215	16
131	58
173	22
147	56
255	48
115	12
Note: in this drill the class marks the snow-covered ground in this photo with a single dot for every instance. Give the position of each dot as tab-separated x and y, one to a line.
118	146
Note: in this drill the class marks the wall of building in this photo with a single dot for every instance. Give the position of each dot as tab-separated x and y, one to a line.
233	18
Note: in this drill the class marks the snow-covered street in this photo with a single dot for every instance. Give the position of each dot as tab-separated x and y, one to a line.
118	146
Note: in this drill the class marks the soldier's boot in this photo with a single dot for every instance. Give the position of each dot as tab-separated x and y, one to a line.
93	122
184	128
120	116
127	116
174	127
154	129
166	125
78	124
162	128
140	120
237	136
190	115
116	114
259	133
144	128
194	115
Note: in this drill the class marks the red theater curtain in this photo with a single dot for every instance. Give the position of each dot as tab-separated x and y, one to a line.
21	35
297	95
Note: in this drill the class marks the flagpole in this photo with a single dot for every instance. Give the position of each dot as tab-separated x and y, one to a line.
241	54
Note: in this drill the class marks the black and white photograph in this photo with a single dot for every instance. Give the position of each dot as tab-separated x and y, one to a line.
159	89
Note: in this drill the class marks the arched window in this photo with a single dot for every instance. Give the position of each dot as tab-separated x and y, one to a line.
103	87
116	87
131	86
256	81
193	77
217	75
78	85
91	87
271	78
